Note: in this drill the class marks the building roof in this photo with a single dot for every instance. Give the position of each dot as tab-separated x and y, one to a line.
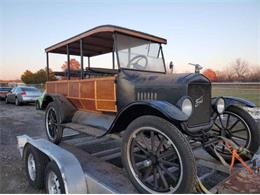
98	40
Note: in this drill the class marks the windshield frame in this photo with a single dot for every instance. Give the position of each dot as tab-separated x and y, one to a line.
160	52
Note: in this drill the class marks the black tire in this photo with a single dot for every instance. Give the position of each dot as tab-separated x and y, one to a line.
36	179
17	102
163	130
54	132
52	172
251	137
6	101
37	105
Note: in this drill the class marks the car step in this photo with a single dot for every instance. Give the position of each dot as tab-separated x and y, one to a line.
90	130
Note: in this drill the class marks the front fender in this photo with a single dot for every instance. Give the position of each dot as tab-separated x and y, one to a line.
134	110
231	101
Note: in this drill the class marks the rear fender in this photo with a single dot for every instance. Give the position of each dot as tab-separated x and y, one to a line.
158	108
48	98
64	106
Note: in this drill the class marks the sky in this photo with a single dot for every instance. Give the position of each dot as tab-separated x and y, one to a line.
212	33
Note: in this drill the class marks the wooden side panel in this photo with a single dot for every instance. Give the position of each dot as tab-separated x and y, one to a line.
76	102
62	88
105	95
105	89
88	105
87	89
74	89
50	87
94	94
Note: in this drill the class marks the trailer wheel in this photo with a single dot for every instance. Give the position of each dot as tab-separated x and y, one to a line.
52	123
53	180
35	163
157	157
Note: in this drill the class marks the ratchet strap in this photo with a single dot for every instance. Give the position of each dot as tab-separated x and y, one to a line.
234	149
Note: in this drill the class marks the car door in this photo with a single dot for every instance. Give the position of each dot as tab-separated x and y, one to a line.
17	93
11	96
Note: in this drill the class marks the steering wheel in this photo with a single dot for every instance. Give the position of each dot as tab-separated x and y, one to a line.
135	62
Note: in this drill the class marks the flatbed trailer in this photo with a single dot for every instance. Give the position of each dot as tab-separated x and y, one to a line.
90	165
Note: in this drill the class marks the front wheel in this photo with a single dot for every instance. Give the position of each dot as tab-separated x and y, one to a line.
237	125
35	163
157	157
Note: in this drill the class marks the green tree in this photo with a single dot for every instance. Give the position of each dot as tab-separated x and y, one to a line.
27	77
38	77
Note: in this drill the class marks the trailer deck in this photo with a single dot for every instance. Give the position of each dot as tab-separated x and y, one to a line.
100	160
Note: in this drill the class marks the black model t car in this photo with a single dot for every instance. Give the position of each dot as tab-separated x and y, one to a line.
157	114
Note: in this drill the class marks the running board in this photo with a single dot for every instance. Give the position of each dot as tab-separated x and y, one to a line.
85	129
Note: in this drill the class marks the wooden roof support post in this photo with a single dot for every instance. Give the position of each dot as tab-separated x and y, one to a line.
47	64
81	59
68	60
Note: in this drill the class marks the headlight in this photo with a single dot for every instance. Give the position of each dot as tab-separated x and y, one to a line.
220	105
186	106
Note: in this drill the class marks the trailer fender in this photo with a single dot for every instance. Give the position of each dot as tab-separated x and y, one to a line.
236	101
154	107
70	168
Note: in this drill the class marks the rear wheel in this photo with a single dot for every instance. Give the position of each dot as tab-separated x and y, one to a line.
237	125
17	102
53	180
6	100
52	123
157	157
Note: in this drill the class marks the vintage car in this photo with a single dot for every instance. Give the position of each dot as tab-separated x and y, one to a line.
158	115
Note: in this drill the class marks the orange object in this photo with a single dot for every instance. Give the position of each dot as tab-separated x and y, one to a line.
235	156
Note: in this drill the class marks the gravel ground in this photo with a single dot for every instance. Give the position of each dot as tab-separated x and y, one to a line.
16	121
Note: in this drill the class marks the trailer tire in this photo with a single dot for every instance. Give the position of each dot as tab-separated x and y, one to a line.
159	141
35	162
53	180
54	131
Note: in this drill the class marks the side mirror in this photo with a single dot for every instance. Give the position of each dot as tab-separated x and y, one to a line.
171	67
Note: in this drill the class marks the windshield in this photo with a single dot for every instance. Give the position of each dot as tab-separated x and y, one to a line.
139	54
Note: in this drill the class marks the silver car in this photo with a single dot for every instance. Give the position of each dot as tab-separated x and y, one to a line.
22	94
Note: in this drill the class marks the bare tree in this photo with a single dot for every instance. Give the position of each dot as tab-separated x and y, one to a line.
254	75
240	69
